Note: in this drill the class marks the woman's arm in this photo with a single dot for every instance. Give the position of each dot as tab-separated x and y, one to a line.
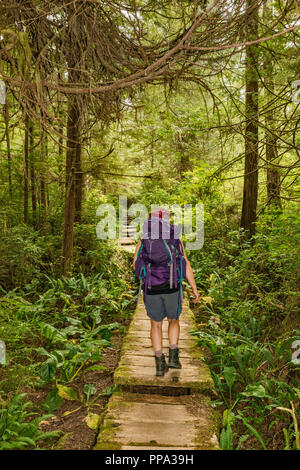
136	252
190	277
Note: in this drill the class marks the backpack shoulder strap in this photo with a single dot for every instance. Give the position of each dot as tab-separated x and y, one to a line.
140	250
171	261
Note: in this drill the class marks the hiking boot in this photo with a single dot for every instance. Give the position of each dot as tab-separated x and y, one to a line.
161	365
174	359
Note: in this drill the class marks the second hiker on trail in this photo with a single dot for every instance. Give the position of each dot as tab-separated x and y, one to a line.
161	264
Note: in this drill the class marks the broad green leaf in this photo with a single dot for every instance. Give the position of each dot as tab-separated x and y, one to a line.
47	370
229	375
53	401
68	393
42	352
255	390
89	390
228	417
226	438
92	420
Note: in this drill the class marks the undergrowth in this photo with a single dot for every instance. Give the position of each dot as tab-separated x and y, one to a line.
250	332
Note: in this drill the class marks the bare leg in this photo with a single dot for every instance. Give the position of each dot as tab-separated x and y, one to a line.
156	335
173	331
173	334
156	338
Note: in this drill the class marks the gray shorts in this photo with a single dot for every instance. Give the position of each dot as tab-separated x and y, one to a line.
160	306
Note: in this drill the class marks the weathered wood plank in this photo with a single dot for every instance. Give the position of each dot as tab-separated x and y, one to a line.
139	421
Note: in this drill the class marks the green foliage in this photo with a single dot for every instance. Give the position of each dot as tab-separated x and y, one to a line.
249	332
68	320
26	256
76	334
21	257
16	430
53	401
81	347
54	330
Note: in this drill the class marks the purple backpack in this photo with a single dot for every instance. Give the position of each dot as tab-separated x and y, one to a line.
160	257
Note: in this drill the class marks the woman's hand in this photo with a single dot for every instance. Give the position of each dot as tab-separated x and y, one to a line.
190	278
197	295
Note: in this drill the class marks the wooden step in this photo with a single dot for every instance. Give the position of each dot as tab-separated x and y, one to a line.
127	241
138	421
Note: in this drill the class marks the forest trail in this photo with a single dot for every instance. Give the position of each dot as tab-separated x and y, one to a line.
126	239
150	412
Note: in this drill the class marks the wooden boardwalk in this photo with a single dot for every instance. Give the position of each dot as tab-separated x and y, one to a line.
126	239
150	412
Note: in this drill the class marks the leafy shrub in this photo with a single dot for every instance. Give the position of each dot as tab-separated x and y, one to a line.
21	257
252	295
70	355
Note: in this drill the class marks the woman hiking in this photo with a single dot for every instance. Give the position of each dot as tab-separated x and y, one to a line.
161	264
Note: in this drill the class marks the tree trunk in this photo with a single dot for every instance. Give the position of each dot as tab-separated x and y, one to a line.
60	142
86	178
86	189
185	164
60	162
7	136
69	213
26	168
43	195
78	182
32	172
73	184
251	131
43	188
273	175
